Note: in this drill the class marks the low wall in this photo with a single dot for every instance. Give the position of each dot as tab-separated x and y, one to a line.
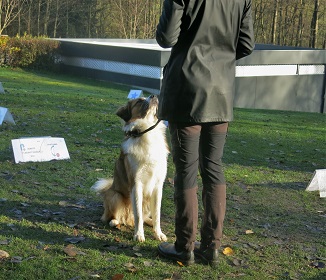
272	77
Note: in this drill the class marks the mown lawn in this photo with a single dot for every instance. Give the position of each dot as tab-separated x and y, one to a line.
49	218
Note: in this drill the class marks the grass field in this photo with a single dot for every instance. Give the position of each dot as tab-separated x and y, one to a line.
49	218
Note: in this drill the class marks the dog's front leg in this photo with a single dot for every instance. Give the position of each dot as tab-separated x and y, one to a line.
137	206
156	200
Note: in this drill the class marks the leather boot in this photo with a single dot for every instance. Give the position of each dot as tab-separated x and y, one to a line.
169	251
208	255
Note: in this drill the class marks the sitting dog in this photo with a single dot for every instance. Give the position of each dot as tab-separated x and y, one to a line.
134	194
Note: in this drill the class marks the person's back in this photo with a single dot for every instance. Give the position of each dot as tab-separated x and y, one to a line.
206	40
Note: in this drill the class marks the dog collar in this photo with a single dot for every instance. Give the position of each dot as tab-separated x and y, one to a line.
137	133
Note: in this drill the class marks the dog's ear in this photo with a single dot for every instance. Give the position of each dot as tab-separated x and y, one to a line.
124	113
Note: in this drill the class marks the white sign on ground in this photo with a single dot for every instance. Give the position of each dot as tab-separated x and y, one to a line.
5	116
39	149
135	93
2	90
318	182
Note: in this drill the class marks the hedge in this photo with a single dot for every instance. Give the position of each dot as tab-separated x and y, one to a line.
28	52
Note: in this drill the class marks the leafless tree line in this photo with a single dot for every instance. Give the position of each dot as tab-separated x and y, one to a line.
282	22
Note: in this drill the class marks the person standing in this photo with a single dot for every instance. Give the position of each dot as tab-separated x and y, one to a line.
196	98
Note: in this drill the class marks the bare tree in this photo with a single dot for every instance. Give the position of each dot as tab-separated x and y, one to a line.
9	10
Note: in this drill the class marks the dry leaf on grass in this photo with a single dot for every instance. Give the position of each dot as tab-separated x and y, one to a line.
249	231
130	267
3	254
117	277
237	262
227	251
5	242
16	259
72	251
75	240
148	263
180	263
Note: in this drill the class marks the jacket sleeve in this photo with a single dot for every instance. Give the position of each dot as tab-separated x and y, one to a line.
168	29
246	42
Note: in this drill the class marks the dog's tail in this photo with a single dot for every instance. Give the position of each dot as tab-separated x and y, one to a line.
102	185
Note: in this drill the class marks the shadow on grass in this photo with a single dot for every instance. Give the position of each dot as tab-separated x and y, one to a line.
52	225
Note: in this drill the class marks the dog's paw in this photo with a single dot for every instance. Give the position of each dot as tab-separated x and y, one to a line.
139	237
114	223
160	236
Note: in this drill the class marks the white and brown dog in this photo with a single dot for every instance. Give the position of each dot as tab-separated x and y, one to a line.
134	194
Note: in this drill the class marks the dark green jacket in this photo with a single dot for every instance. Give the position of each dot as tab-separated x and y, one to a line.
206	36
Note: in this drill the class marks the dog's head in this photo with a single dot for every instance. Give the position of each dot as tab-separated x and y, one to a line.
139	108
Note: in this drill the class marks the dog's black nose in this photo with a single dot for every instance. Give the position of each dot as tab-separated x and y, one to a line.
152	96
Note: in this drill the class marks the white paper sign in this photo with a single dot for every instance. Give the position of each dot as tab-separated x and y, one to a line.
5	116
2	90
318	182
135	93
39	149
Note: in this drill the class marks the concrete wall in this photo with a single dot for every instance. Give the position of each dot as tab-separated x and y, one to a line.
272	77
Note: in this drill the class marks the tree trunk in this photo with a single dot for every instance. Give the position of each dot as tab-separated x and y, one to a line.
274	24
47	17
56	19
67	18
314	26
39	17
298	40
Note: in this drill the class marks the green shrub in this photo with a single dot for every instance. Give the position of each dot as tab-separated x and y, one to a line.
28	52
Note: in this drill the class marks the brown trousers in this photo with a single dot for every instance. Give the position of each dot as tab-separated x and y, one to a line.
198	146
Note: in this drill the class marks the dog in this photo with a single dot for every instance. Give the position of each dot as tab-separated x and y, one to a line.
133	197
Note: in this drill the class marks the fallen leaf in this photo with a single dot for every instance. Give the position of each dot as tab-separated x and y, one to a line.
16	259
70	250
249	231
130	267
180	263
117	239
138	254
117	277
254	246
228	251
237	262
4	242
3	254
148	263
75	240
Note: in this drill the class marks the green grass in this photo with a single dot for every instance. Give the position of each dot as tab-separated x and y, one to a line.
270	157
